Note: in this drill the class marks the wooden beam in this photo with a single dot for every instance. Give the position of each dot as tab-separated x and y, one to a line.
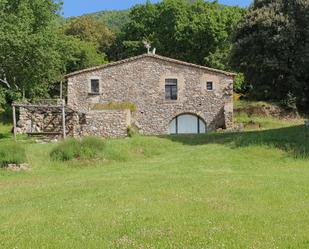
37	106
61	93
14	121
63	120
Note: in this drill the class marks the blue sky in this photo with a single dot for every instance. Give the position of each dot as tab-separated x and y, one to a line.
79	7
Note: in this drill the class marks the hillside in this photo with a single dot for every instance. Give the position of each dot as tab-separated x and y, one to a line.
247	190
223	190
114	19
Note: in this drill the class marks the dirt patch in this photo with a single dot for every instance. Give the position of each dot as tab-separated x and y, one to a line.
19	167
253	125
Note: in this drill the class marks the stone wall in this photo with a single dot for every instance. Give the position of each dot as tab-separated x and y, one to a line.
107	123
34	121
142	82
228	116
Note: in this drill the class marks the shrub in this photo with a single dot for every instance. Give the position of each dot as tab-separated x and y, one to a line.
87	148
236	96
239	83
132	131
11	153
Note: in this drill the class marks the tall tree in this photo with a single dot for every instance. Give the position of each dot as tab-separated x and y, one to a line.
88	29
272	49
29	57
78	54
195	31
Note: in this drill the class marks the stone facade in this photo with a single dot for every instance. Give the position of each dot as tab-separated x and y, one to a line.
141	80
107	123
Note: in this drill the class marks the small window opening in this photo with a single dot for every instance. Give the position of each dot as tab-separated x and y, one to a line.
171	89
95	86
210	86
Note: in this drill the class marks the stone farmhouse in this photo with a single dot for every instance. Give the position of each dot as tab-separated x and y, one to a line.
169	97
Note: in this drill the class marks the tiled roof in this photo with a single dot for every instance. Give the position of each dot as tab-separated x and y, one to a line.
151	56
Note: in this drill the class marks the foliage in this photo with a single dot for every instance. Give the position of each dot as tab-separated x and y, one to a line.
88	29
30	59
86	148
113	105
239	83
132	131
271	48
78	54
37	47
11	153
113	19
197	32
289	101
236	96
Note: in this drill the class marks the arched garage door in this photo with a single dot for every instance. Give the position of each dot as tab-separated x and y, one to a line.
187	124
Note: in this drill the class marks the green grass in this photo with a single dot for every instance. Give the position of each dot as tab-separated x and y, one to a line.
5	125
229	190
260	121
11	153
86	148
241	104
264	122
247	190
5	130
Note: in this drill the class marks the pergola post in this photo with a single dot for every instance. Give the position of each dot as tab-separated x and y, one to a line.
61	91
63	120
14	121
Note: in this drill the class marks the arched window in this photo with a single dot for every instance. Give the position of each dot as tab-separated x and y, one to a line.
187	124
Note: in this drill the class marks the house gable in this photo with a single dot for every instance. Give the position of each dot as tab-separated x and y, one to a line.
154	56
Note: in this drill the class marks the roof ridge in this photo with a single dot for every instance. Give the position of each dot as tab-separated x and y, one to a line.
152	56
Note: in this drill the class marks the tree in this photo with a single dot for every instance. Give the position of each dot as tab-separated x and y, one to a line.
29	56
77	54
195	31
272	49
113	19
88	29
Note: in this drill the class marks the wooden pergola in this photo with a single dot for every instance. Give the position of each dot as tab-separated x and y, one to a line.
43	106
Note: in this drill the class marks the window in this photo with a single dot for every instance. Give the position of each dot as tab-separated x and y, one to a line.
171	89
210	86
94	86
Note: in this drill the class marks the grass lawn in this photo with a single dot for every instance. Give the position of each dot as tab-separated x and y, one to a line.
243	190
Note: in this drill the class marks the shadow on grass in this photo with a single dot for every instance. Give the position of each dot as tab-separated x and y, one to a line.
5	136
6	116
294	140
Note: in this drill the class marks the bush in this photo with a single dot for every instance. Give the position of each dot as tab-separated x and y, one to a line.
239	83
87	148
11	153
132	131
